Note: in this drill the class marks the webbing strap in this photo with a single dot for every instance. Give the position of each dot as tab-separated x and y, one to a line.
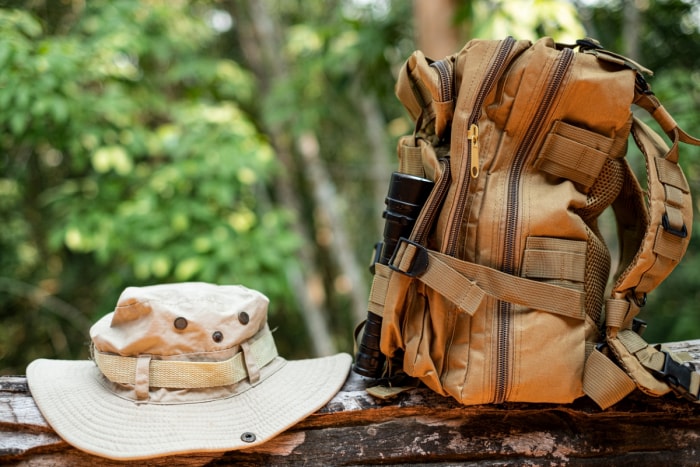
604	381
410	161
380	286
555	259
649	102
629	361
617	312
661	363
653	369
188	374
575	153
466	284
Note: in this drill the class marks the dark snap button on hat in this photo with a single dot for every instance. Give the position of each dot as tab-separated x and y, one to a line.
180	323
243	317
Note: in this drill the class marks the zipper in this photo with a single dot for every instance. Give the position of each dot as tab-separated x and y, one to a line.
445	76
504	308
457	214
433	204
473	137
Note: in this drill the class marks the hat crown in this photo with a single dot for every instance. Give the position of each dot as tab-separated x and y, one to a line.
186	319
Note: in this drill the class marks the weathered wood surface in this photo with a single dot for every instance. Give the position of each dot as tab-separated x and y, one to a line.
419	427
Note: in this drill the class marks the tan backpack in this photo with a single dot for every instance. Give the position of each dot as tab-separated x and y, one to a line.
496	289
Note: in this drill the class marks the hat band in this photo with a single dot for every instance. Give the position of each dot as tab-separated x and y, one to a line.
190	375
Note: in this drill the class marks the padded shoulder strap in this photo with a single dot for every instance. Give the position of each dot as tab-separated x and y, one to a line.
665	238
670	220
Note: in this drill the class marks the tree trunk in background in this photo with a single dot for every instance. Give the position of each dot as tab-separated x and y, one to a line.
436	33
630	29
383	163
259	38
326	200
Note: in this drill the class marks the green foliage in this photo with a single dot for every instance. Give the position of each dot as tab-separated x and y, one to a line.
126	160
132	150
668	30
526	19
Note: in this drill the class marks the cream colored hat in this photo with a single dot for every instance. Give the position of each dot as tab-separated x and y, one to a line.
181	368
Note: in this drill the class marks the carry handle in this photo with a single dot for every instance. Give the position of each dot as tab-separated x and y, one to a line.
645	98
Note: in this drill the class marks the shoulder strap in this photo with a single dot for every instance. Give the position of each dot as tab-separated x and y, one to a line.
662	234
670	218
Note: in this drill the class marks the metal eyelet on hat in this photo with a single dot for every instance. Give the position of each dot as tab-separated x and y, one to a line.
248	437
243	317
217	336
180	323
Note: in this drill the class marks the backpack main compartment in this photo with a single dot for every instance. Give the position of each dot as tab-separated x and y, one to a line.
525	143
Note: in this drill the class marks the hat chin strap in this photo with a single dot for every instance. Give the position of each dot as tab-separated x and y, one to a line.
176	374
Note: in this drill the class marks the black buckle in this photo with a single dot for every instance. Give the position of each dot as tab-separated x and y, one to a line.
667	227
678	376
420	260
642	85
640	302
589	44
639	325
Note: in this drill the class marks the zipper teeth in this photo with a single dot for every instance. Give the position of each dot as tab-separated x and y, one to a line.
505	48
445	80
491	75
503	323
422	230
432	208
520	156
504	308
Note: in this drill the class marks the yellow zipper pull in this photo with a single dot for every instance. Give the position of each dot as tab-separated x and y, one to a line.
473	137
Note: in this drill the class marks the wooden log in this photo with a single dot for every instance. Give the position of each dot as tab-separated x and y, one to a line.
416	427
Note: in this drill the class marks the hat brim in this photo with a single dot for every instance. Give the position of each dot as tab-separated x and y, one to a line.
87	415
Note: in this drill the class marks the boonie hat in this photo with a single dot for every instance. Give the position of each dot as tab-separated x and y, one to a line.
180	368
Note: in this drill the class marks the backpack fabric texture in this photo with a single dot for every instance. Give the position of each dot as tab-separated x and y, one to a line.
502	291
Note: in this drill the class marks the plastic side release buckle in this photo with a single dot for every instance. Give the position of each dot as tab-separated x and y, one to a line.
682	233
639	325
678	376
419	263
